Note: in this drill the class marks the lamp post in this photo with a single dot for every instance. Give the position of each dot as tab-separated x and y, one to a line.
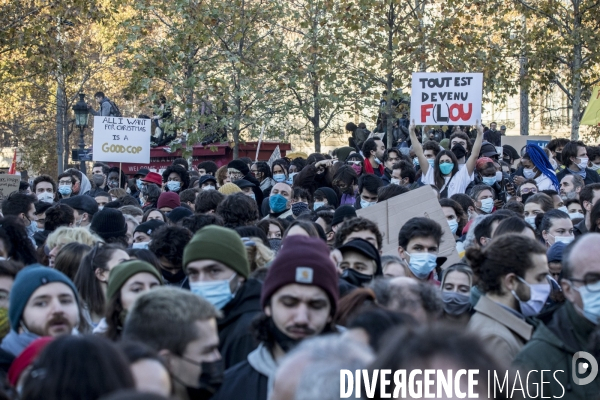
81	120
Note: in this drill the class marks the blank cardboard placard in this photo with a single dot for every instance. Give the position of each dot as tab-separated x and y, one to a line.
392	214
8	185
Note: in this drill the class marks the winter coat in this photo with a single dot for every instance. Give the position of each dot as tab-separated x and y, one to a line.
558	336
251	379
503	332
235	338
591	176
309	179
580	228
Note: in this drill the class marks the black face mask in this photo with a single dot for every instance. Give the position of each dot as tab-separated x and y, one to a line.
558	156
459	151
98	179
173	277
284	341
355	278
526	196
210	380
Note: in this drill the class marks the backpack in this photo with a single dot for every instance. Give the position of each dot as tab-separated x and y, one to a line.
114	110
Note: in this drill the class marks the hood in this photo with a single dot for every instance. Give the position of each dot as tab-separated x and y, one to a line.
85	185
262	361
246	300
330	195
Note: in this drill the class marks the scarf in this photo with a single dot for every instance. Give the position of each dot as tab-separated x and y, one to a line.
369	168
15	343
581	172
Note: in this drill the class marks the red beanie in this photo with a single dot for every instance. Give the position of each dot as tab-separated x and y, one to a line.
305	261
26	358
168	199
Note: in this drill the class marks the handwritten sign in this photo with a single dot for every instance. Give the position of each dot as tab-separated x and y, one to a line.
119	139
8	185
446	98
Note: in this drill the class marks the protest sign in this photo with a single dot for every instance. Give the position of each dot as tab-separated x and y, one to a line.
591	116
275	156
8	185
392	214
446	98
120	139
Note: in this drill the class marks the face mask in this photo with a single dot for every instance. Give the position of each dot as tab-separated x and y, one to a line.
576	215
279	178
210	380
456	303
584	162
488	180
217	293
176	277
365	204
100	208
140	245
453	225
284	341
528	173
299	208
174	186
394	181
318	204
252	196
209	187
78	223
356	278
416	162
459	151
138	183
357	169
290	180
554	164
539	295
32	228
128	191
278	203
421	264
378	161
530	221
65	190
431	161
595	167
558	156
498	176
591	301
563	239
113	184
487	205
446	168
563	209
98	179
46	197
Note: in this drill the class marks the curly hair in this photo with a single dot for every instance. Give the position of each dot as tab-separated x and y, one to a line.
59	215
198	221
238	210
169	242
179	170
356	225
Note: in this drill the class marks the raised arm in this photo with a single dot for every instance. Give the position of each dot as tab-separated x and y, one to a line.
418	148
476	149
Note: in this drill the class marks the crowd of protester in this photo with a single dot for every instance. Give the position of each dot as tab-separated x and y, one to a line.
259	281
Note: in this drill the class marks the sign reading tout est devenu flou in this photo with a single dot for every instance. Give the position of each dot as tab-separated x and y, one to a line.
120	139
446	98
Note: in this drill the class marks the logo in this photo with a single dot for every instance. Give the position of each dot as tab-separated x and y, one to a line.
304	275
590	364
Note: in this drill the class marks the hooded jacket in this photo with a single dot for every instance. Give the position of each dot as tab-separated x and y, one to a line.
235	337
557	338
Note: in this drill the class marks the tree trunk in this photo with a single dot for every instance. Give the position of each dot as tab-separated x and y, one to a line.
316	120
576	72
389	112
524	86
237	123
60	126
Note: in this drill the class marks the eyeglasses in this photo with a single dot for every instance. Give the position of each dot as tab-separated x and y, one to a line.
525	190
591	282
65	182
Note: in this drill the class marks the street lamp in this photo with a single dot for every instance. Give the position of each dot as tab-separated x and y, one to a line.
81	120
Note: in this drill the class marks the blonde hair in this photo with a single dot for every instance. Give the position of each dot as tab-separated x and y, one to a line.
259	255
65	235
117	192
221	175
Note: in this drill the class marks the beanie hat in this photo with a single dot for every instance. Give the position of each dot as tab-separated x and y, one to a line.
109	223
220	244
153	177
342	213
178	214
229	188
119	275
26	358
555	252
168	199
240	166
149	226
27	281
305	261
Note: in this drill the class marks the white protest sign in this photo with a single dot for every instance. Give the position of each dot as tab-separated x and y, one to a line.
275	156
120	139
446	98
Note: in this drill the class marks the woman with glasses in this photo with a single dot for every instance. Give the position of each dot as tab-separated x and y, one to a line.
512	271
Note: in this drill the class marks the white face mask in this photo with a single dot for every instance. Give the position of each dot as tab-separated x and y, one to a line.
576	215
584	162
46	197
208	188
594	167
394	181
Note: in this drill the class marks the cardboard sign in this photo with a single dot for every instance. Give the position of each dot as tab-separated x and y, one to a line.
8	185
275	156
120	139
392	214
446	98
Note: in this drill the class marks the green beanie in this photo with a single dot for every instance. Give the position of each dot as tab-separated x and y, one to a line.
122	272
220	244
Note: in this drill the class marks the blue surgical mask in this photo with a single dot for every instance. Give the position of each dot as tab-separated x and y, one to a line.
538	295
530	221
365	204
141	245
174	186
446	168
138	183
217	293
65	190
32	228
421	264
278	203
528	173
487	205
591	301
318	204
279	178
453	225
431	161
488	180
290	180
378	161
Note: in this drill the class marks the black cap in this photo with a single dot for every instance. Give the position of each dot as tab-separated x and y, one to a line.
342	213
206	178
510	151
109	223
149	226
366	249
82	202
488	150
242	183
179	213
141	172
240	166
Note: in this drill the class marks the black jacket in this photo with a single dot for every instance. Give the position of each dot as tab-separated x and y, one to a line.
580	228
591	176
242	375
236	340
